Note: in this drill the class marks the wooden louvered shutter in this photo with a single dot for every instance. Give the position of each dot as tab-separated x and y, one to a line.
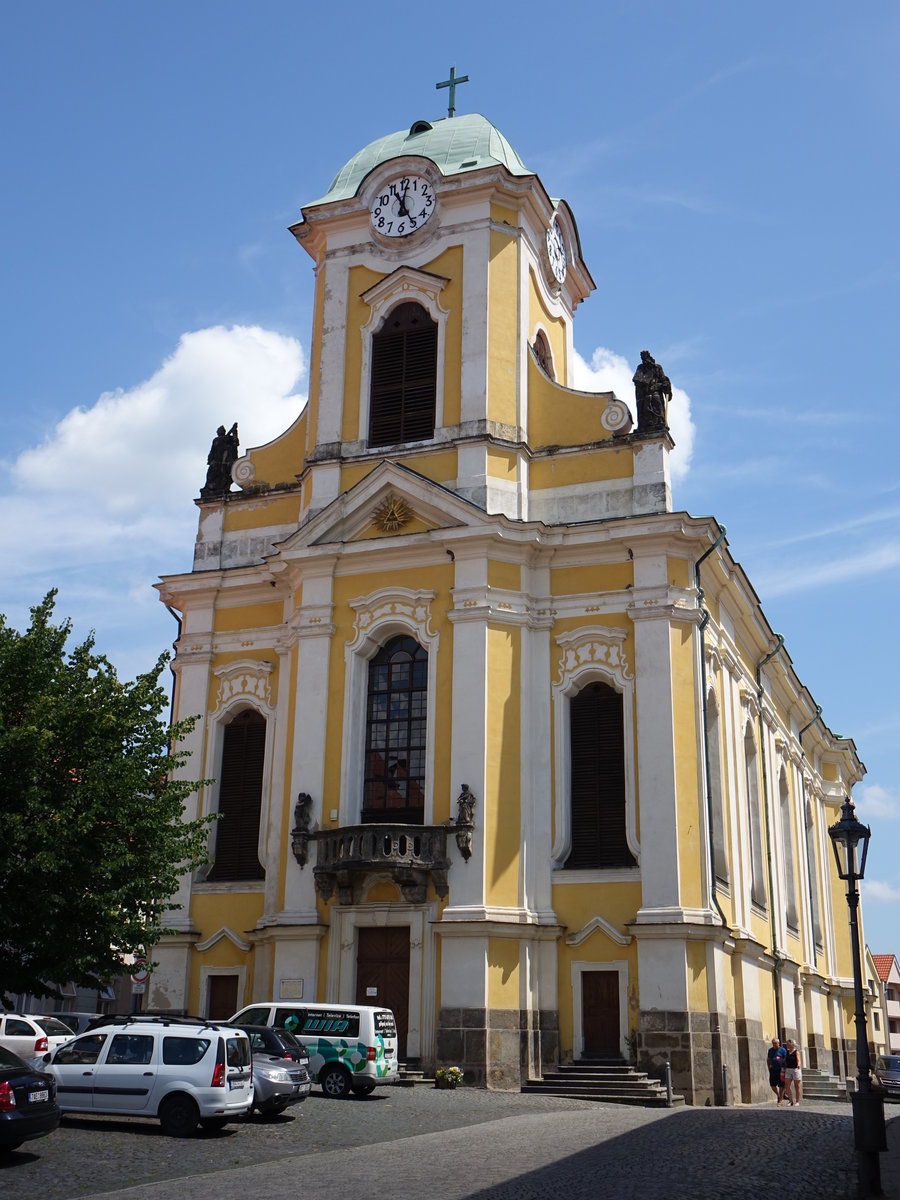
404	373
240	796
597	747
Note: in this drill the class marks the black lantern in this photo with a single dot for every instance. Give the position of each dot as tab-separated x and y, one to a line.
846	836
850	841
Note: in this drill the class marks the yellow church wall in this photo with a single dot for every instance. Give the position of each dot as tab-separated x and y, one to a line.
502	464
503	973
561	470
576	905
248	616
504	575
679	571
554	327
830	772
441	468
259	513
606	577
240	911
502	330
556	412
315	357
698	984
504	216
449	264
687	783
358	313
279	462
502	816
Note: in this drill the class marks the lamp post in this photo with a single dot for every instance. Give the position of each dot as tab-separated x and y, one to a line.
850	842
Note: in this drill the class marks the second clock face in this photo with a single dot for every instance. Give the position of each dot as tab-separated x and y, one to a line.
556	251
402	206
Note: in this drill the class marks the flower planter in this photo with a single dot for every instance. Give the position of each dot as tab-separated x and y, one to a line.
445	1085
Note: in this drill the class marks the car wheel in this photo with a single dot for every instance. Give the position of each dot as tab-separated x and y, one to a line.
363	1089
178	1116
213	1123
335	1082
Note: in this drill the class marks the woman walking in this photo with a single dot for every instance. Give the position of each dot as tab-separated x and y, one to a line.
793	1076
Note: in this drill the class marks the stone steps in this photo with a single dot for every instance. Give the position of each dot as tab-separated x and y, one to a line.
608	1081
816	1085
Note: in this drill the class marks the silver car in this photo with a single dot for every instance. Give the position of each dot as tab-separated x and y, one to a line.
887	1075
280	1069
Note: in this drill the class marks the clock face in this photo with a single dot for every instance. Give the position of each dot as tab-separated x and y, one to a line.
402	206
556	251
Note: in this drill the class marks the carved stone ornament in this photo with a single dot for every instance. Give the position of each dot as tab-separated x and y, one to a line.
300	834
392	514
247	678
616	416
465	821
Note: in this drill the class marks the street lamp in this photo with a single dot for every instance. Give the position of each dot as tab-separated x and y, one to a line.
850	842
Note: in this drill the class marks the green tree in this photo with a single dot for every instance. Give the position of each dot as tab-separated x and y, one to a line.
92	836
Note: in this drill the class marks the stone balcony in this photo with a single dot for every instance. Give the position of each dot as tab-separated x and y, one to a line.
409	855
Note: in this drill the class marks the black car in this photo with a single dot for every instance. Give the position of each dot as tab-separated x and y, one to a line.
28	1106
887	1075
280	1043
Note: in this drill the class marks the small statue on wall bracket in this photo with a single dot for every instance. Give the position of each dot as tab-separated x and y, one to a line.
222	456
465	821
300	833
652	393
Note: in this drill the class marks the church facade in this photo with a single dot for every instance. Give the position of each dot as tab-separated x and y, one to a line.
498	739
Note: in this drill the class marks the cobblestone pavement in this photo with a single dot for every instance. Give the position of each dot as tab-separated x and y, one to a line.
465	1144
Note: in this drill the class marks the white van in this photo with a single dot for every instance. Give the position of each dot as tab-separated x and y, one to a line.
351	1047
177	1069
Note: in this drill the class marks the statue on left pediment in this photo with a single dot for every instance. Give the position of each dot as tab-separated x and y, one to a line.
222	456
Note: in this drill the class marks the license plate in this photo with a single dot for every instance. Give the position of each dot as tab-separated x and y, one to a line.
39	1097
235	1083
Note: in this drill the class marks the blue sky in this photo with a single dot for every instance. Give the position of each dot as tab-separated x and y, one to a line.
734	174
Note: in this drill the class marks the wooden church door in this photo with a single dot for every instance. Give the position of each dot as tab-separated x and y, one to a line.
600	1014
382	975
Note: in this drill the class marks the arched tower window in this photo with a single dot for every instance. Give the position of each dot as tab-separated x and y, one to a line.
784	797
757	872
404	374
396	709
542	353
597	747
236	854
716	797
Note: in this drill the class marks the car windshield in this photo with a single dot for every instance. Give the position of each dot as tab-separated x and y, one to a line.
10	1061
891	1063
54	1028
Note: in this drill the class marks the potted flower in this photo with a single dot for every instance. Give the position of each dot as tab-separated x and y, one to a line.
447	1077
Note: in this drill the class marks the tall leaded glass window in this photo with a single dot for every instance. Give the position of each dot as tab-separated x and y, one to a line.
597	748
394	784
236	855
404	377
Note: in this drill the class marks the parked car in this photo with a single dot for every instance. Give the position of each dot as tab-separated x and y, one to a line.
351	1047
78	1022
887	1074
28	1107
32	1037
280	1069
182	1071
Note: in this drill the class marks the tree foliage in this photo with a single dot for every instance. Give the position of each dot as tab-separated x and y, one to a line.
92	836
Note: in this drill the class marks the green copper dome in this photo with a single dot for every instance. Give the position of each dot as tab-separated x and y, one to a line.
453	144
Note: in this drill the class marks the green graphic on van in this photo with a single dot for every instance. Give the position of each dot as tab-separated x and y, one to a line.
353	1055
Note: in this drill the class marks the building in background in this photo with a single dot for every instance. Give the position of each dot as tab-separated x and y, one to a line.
889	974
499	739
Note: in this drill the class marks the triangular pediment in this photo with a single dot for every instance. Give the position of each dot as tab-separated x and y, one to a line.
392	501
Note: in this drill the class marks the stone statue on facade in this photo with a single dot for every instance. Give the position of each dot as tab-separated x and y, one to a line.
222	456
300	834
652	393
465	821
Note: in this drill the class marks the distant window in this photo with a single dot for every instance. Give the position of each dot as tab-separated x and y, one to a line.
716	799
240	797
790	890
404	374
397	703
597	749
757	876
542	353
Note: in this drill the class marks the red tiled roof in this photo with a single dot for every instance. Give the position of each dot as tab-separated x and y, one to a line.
883	963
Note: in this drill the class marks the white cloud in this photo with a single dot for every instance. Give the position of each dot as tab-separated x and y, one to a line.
610	372
856	567
103	505
876	891
873	800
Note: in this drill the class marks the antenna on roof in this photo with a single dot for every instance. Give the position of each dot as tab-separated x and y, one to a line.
451	84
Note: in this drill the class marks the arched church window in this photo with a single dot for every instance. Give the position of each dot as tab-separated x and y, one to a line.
396	713
541	349
757	875
716	797
790	891
597	748
404	374
236	854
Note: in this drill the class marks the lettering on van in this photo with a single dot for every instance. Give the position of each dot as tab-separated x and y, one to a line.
332	1023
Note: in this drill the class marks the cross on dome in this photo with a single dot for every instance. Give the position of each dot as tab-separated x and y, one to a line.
451	84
